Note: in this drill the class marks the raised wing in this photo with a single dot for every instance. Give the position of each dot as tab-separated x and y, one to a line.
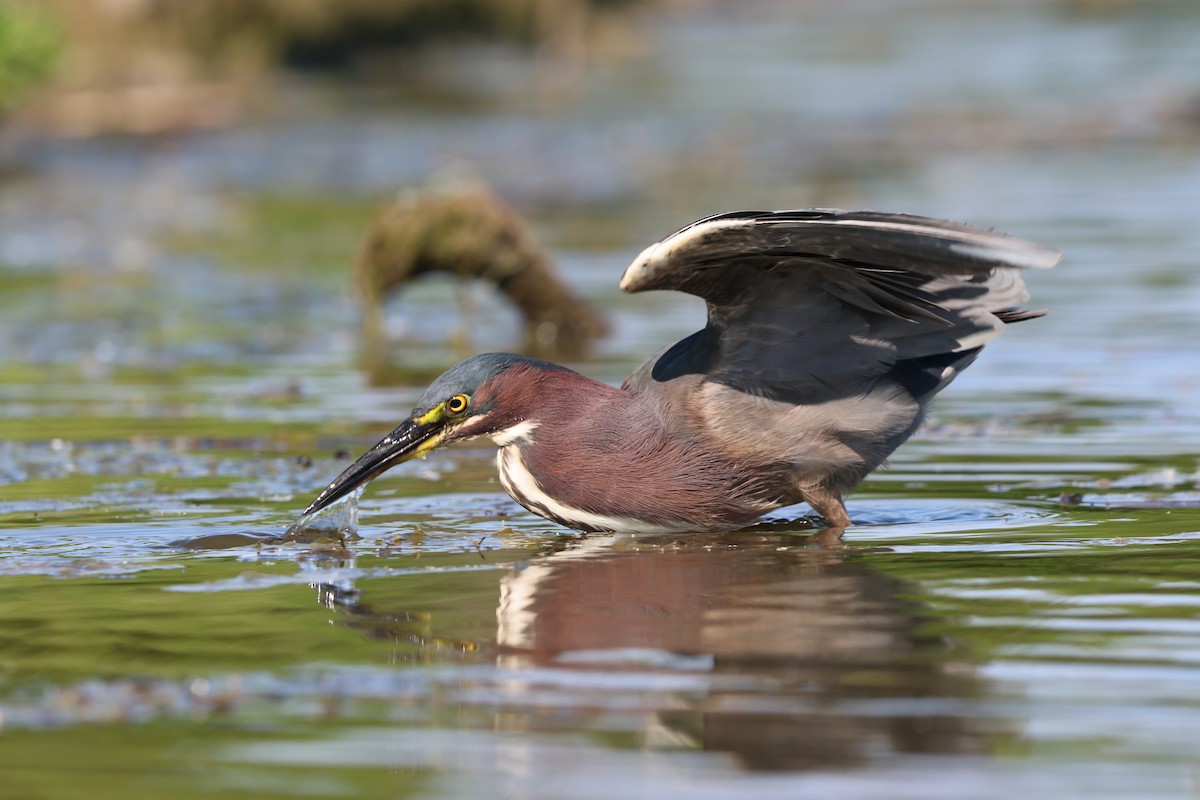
811	304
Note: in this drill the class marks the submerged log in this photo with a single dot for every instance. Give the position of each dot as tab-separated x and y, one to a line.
473	234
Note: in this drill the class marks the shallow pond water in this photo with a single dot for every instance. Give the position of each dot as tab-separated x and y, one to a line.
1016	611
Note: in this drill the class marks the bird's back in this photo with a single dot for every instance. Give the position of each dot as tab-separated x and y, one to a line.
828	332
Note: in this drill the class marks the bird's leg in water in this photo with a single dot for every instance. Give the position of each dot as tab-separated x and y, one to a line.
829	505
830	538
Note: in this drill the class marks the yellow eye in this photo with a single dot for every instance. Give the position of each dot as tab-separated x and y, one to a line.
457	404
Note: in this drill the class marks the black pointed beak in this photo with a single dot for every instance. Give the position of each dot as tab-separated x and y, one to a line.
411	438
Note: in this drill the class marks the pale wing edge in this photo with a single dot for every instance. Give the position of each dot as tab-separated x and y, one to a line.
888	241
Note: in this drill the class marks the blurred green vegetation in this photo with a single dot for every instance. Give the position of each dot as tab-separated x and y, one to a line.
113	40
157	66
29	48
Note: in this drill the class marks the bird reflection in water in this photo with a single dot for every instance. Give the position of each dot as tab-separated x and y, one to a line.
812	659
399	627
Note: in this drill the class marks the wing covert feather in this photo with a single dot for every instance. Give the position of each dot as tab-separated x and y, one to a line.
810	304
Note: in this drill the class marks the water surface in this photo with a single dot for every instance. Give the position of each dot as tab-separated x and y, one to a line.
1016	611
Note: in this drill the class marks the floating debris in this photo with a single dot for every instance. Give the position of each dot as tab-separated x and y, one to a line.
472	234
1116	501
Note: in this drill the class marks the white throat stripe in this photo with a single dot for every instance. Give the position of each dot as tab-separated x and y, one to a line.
519	482
513	433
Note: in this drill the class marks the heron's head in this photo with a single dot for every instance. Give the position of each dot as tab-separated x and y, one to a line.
486	394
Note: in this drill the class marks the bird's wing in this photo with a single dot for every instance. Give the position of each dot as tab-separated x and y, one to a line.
808	304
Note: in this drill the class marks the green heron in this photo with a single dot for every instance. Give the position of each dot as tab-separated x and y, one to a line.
829	332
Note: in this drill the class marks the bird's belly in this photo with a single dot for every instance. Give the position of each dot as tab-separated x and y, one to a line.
521	484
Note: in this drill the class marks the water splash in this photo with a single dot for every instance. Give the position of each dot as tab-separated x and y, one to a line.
336	521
